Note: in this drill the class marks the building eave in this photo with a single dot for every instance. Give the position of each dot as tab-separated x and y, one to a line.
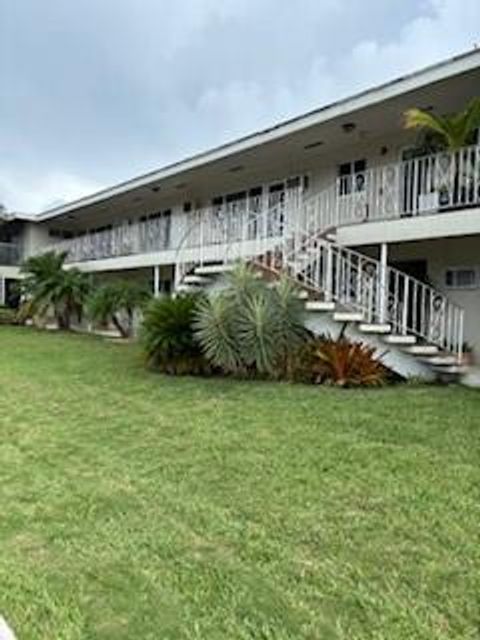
410	82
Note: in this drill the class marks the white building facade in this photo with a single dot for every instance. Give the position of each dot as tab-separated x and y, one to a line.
361	213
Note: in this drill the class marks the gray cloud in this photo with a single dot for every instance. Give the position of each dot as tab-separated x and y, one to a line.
95	92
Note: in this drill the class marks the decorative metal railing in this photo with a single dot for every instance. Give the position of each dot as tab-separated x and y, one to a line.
9	254
439	182
123	240
434	183
382	294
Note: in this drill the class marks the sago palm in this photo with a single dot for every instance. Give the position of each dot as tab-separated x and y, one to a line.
167	336
48	285
452	131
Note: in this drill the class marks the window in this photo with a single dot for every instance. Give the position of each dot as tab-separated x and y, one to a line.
461	278
235	197
351	177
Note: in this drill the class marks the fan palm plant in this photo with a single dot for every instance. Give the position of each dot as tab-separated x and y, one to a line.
117	302
250	327
451	132
48	285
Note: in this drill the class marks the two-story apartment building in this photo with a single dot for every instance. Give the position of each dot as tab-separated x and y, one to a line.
367	219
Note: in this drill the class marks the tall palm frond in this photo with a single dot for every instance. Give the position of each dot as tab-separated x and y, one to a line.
453	131
48	285
249	326
215	330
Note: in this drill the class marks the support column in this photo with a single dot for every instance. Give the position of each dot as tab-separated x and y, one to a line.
2	290
383	293
156	281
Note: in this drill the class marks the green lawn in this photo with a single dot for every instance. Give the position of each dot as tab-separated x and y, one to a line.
136	506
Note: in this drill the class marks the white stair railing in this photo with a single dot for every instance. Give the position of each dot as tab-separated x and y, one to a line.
214	237
382	294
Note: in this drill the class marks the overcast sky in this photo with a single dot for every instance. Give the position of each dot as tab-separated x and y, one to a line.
98	91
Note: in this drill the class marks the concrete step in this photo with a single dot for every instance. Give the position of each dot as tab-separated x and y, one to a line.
453	371
400	340
213	269
193	278
319	305
348	316
423	350
442	361
302	294
375	328
186	288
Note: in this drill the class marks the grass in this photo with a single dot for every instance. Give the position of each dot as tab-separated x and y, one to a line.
141	506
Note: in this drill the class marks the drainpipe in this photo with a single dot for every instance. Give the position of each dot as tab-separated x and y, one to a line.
383	293
156	281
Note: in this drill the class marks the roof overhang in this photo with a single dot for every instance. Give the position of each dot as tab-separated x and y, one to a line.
437	73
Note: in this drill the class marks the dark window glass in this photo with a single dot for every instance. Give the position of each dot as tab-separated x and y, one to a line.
234	197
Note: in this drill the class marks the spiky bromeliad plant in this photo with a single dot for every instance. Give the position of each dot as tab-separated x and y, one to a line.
248	327
116	302
340	362
167	336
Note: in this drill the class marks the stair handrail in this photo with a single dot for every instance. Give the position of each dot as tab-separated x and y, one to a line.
261	233
384	294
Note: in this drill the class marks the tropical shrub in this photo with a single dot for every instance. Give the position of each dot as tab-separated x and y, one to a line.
340	362
167	336
249	327
8	316
451	131
117	302
47	285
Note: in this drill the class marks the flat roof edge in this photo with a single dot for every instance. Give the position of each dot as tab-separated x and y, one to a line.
436	72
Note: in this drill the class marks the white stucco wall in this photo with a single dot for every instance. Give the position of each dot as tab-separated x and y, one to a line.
33	237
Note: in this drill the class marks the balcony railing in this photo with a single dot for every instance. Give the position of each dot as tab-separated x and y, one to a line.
436	183
9	254
440	182
126	239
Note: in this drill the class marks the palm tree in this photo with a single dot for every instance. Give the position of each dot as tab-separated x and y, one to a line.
451	132
48	285
116	303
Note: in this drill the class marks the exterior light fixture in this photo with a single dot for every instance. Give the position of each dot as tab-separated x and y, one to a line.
348	127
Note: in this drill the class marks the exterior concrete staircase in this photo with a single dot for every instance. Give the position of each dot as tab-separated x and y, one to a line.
405	354
417	331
